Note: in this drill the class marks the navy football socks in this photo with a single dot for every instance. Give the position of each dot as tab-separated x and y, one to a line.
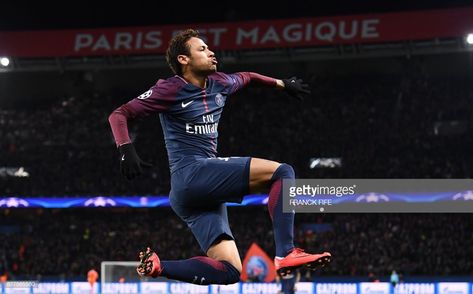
283	223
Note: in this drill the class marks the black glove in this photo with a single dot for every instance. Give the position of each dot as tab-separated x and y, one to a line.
296	88
131	164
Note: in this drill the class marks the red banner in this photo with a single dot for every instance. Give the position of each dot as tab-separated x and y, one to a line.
369	28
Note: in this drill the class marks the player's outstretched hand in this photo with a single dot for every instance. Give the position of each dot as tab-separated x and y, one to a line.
296	88
131	165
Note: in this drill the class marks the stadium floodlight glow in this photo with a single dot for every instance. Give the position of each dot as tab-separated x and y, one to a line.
4	61
469	39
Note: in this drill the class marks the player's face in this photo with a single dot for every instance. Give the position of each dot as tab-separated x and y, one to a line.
201	60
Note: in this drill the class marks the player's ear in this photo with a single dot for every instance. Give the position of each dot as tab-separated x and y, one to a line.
183	59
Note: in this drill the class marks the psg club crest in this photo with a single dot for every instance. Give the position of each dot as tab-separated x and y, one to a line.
219	100
257	266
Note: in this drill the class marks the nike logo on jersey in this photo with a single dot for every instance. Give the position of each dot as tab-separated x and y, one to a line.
184	105
123	157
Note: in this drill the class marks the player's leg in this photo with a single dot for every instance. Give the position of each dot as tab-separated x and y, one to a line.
261	173
267	176
211	228
208	221
222	265
200	270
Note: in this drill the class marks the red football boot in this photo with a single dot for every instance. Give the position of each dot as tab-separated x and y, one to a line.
298	258
150	265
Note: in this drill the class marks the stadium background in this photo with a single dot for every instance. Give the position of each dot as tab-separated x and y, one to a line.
399	110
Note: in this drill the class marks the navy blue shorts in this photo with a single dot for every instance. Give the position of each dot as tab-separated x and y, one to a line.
199	192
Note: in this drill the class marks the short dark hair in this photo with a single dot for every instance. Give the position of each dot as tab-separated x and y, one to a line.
178	46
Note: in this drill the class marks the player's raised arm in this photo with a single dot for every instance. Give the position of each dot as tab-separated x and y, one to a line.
131	164
157	99
293	86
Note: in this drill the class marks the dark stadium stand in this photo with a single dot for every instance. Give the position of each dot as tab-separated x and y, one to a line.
50	244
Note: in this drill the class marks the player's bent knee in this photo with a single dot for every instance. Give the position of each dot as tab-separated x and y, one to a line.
235	263
284	171
226	251
238	266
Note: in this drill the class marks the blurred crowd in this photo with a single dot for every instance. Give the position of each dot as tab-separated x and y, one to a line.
65	244
381	126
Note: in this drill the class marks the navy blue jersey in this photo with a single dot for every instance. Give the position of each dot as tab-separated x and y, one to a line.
189	114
